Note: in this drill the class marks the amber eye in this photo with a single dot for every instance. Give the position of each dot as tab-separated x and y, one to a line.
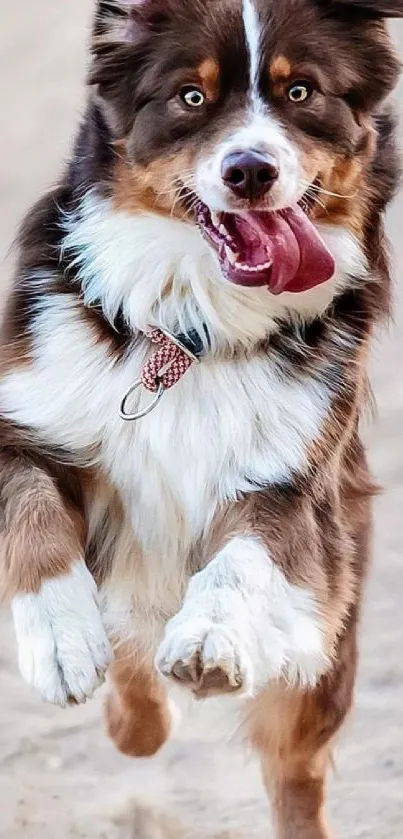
193	97
299	92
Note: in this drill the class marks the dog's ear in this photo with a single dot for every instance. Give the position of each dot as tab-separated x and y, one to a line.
372	8
118	46
118	22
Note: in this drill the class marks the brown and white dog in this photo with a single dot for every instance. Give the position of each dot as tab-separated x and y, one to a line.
228	185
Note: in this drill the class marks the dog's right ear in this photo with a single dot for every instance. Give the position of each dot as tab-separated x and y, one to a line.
118	23
119	37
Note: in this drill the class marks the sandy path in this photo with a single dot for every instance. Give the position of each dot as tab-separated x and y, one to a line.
59	776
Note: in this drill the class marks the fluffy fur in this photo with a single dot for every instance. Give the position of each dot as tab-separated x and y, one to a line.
222	542
63	648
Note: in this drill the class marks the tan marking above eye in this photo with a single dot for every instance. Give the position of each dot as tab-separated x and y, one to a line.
209	74
280	69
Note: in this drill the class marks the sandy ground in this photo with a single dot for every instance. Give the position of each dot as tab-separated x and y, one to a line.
59	776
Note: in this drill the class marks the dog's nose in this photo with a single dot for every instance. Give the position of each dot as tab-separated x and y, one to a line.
249	174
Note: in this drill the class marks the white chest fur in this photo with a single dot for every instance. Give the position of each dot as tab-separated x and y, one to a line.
226	427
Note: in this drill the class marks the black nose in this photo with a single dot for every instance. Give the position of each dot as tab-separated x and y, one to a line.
250	174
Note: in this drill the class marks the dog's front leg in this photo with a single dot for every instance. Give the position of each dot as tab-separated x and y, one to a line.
241	625
63	649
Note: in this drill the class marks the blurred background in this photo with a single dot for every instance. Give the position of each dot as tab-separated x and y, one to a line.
59	776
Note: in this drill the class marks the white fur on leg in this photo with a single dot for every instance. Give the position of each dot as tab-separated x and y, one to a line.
63	650
241	625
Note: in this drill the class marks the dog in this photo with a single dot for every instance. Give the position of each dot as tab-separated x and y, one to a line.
185	497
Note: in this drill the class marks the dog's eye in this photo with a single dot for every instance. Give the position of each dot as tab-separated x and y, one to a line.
193	97
299	92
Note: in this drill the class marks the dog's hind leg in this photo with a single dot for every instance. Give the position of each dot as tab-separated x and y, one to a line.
138	714
298	799
294	731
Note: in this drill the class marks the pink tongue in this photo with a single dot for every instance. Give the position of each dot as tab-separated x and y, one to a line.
287	239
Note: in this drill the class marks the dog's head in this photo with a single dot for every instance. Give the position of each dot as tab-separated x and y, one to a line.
249	118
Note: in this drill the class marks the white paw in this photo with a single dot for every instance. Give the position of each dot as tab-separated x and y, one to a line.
204	656
63	650
243	625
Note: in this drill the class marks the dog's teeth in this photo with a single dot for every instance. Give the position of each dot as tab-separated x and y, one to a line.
250	269
231	256
223	230
215	218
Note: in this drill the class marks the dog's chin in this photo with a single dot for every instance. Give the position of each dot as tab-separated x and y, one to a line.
280	249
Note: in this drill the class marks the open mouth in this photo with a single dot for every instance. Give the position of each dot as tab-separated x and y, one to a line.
281	249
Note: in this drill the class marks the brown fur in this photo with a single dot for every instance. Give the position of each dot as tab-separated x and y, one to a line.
13	354
280	71
137	713
344	197
294	731
317	527
280	68
308	535
42	526
152	188
209	73
41	536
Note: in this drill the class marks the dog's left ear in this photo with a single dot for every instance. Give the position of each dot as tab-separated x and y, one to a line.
373	8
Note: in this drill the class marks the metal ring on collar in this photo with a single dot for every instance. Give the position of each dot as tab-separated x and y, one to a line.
123	413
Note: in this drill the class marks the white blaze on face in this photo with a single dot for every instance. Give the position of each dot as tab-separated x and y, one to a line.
253	34
260	130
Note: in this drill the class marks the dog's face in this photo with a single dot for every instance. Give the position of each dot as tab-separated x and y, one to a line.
246	117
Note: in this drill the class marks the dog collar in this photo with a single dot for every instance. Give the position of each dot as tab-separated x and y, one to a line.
173	356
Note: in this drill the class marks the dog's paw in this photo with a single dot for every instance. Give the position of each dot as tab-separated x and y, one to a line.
63	650
205	657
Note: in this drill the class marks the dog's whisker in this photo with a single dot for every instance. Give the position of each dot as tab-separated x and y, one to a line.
320	189
316	200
